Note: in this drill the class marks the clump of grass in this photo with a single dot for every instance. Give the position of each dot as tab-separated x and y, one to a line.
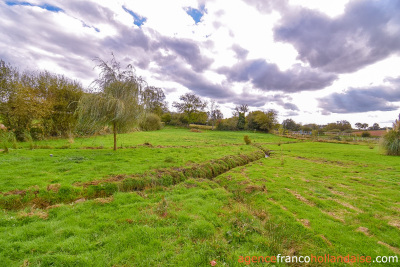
247	140
6	138
169	159
391	143
391	140
162	207
29	138
71	138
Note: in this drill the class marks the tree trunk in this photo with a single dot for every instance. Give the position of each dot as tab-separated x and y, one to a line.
115	135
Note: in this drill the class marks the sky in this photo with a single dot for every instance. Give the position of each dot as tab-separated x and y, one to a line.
312	61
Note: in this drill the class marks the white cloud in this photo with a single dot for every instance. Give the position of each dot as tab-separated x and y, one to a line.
171	51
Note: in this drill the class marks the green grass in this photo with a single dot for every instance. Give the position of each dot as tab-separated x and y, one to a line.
306	198
23	168
169	137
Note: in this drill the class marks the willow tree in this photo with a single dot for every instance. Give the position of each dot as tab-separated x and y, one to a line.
115	99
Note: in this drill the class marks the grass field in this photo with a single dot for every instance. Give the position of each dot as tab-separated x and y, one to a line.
306	198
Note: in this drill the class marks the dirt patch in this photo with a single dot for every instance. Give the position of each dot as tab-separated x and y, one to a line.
373	133
142	194
15	192
338	193
305	222
326	240
189	185
395	223
104	200
394	249
261	214
364	230
115	178
324	161
53	206
39	213
336	215
81	200
300	197
252	188
347	205
53	187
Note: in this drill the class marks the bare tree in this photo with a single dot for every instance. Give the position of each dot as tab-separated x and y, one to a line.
214	114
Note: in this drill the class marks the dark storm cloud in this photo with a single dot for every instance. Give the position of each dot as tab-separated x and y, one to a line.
65	48
193	80
188	50
291	114
354	100
291	106
200	85
267	77
367	32
253	100
40	31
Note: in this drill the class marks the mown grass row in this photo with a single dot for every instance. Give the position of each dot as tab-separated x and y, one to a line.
54	194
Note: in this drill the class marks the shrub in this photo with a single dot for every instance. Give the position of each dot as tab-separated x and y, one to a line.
366	134
200	127
391	143
391	140
152	122
7	138
247	140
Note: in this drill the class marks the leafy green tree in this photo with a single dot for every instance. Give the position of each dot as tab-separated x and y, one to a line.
151	122
199	117
291	125
375	126
241	121
339	125
24	105
117	100
62	94
190	103
263	121
154	100
9	78
229	124
166	118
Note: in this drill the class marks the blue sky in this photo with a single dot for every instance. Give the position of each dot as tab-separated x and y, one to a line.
312	61
137	20
43	6
196	14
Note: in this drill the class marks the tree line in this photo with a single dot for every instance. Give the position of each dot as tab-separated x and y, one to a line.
36	105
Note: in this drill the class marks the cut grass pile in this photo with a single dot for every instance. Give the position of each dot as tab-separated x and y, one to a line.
306	198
